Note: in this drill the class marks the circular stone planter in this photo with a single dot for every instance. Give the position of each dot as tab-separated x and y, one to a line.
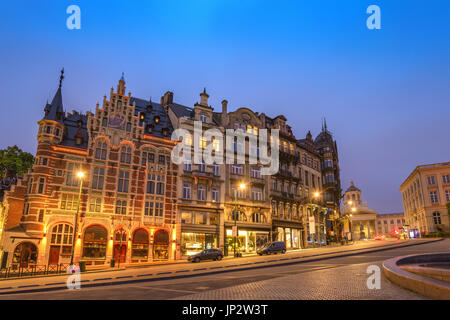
406	272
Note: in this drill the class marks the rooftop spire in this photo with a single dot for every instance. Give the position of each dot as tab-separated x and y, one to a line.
61	77
123	76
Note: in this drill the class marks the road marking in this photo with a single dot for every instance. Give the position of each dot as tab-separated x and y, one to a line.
182	271
54	283
165	289
100	279
216	268
144	275
5	288
163	273
124	277
199	269
29	286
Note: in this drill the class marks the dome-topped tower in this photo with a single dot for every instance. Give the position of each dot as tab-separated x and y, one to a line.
353	194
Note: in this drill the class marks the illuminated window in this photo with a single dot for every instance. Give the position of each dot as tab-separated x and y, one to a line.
72	169
188	139
95	204
437	218
68	202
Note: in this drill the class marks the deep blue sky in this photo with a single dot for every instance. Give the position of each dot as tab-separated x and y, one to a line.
385	93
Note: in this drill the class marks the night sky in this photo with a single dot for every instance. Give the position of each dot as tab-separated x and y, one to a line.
385	93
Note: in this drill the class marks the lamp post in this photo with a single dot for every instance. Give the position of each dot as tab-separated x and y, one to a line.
235	216
80	176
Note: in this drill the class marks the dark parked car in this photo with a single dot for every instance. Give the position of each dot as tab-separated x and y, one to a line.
274	247
208	254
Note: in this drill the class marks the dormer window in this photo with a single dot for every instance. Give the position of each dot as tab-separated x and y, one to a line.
149	128
203	118
165	131
156	119
149	108
142	116
49	129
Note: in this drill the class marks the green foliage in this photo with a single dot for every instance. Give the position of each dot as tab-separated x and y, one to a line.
448	208
14	161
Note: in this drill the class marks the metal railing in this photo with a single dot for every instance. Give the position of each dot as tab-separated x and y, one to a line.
16	271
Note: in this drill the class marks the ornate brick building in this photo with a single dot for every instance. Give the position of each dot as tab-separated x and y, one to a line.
129	190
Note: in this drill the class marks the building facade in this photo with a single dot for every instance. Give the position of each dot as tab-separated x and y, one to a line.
425	195
127	207
200	200
361	219
134	205
390	224
326	146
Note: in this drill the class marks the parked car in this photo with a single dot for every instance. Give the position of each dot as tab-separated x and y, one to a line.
208	254
273	248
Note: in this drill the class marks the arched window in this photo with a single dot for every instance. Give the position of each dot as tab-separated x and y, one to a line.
62	234
101	150
25	254
125	154
139	249
94	242
161	245
61	240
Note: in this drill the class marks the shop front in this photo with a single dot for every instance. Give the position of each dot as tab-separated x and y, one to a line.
247	240
290	236
195	242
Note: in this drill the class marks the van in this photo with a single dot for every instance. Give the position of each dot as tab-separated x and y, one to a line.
273	248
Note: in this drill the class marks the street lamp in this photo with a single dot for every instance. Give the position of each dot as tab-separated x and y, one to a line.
242	187
80	175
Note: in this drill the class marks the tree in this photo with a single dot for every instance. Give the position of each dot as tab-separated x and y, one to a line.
14	161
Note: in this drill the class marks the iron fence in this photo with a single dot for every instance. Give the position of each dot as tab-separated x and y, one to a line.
16	271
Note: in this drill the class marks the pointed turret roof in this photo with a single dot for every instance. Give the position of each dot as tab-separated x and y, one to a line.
54	111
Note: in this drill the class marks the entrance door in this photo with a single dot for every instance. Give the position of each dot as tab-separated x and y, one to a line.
25	257
120	250
54	255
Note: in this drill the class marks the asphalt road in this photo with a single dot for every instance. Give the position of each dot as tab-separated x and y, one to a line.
336	278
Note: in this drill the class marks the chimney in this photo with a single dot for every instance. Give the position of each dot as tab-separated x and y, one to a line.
167	99
224	117
204	98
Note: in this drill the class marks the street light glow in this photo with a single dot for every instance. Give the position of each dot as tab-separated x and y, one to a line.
350	202
316	194
242	186
354	209
80	174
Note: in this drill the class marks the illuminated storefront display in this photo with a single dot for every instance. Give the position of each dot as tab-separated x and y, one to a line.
247	241
193	243
290	236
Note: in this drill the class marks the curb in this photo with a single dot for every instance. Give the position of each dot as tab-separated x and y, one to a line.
428	287
217	270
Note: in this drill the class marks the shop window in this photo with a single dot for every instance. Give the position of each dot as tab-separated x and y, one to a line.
139	249
25	254
161	245
94	242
